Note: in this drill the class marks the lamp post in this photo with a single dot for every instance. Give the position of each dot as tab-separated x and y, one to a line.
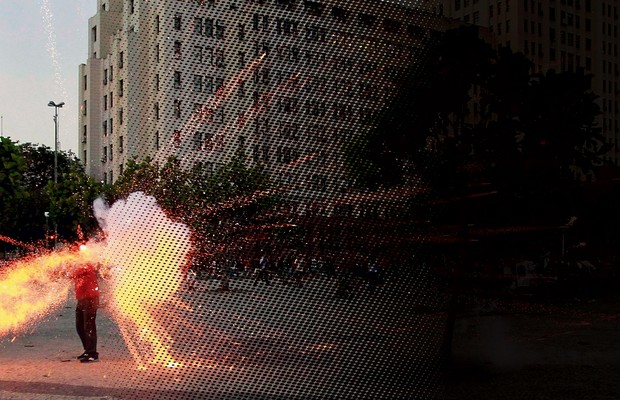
56	107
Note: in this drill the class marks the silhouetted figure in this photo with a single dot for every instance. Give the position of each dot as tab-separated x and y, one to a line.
87	296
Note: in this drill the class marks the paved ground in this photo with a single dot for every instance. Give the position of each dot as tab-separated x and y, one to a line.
263	342
568	351
282	342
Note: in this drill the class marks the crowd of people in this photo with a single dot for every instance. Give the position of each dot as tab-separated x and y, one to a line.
294	268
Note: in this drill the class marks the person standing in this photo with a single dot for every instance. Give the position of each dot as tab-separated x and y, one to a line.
87	296
263	270
190	279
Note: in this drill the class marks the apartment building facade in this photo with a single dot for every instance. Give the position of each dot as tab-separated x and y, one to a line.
564	35
285	82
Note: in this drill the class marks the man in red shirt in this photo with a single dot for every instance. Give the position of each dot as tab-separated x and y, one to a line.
87	296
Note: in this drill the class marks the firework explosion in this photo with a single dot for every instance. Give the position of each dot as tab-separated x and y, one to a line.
146	252
33	287
142	259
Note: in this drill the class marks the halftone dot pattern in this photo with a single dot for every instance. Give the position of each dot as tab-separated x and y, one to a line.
289	85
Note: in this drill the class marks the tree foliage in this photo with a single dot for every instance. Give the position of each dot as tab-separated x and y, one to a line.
525	132
213	204
28	192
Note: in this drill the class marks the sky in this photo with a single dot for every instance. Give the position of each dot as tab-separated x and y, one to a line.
42	43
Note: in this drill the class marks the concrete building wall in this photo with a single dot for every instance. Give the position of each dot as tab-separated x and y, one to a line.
297	80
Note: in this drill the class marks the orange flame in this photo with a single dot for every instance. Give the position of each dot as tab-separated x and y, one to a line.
33	287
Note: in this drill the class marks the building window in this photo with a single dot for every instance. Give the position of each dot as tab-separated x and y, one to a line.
85	108
241	55
198	25
197	140
111	73
105	102
219	58
111	153
177	22
132	6
94	33
177	49
120	144
176	138
315	34
104	157
219	83
120	116
241	31
177	80
156	109
157	23
287	27
111	100
209	27
121	59
177	108
208	84
120	88
197	83
157	140
111	126
219	29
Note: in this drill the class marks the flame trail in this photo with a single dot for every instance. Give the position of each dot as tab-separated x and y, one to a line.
33	287
17	243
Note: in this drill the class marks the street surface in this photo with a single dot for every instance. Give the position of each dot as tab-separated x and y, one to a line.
255	342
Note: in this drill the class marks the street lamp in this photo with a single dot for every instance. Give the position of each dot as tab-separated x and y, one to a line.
56	107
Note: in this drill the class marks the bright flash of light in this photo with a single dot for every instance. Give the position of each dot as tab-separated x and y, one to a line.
32	287
146	252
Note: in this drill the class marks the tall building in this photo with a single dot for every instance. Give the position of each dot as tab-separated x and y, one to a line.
285	82
563	35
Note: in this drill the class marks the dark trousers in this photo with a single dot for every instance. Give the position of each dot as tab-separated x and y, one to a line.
85	316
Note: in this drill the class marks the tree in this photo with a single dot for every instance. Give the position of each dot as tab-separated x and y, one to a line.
71	201
12	190
214	205
27	177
